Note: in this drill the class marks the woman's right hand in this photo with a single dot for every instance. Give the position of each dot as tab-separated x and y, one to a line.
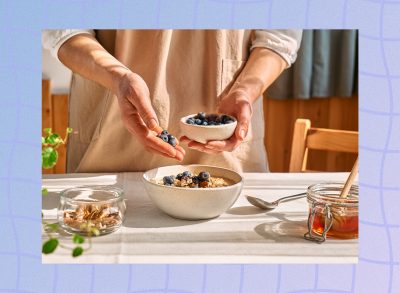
139	117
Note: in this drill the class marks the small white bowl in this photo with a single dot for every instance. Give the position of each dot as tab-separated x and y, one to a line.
202	134
193	203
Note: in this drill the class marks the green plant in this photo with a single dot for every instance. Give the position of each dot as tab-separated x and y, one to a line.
50	245
50	143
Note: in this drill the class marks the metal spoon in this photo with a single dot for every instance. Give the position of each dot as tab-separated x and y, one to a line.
262	204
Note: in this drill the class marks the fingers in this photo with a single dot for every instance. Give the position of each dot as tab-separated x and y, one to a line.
136	126
243	118
198	146
159	144
202	148
179	154
185	139
214	146
224	145
147	113
137	93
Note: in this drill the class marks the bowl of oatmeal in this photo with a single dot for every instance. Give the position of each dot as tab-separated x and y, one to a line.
193	192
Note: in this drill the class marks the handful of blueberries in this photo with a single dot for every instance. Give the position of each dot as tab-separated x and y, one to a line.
202	179
209	119
168	138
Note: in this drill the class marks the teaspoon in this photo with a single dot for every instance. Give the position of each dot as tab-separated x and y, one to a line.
262	204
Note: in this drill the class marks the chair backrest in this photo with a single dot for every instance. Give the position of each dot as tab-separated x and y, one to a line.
305	137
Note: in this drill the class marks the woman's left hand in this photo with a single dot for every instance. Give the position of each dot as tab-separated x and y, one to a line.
237	104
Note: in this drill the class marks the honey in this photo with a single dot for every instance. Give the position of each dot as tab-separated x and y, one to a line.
343	226
331	216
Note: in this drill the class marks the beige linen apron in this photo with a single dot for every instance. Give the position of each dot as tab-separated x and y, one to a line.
186	72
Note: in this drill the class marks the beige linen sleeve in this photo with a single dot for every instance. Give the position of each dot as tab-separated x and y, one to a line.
284	42
53	39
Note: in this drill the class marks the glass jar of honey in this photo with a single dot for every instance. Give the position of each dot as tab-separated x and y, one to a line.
330	215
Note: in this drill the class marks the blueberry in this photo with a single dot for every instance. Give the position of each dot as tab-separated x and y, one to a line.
165	132
201	115
179	176
204	123
187	174
164	137
172	141
224	118
168	180
198	121
212	117
204	176
190	121
195	180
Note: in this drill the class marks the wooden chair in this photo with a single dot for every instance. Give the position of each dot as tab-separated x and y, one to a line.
305	137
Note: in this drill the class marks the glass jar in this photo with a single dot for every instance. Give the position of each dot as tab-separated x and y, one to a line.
330	215
91	210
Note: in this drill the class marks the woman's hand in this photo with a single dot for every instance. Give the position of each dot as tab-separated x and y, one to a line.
237	104
139	116
84	54
262	68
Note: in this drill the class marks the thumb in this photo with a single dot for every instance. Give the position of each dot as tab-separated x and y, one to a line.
147	113
243	118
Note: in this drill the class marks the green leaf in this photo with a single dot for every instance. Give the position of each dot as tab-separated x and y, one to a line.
49	246
47	131
43	140
49	157
53	139
45	191
77	251
78	239
53	226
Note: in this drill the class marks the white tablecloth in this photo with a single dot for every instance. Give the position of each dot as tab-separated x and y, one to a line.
244	234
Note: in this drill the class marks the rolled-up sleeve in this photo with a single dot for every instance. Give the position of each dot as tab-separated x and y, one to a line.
284	42
53	39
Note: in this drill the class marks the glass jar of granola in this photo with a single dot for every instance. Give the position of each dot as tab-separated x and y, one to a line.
91	210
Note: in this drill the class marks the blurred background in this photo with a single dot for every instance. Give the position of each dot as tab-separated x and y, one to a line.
321	86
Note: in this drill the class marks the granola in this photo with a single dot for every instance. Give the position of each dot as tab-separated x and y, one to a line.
188	180
99	216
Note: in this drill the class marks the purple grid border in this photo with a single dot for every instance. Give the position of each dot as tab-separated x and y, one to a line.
379	69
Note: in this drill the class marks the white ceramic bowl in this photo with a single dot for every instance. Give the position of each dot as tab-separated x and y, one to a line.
202	134
193	203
